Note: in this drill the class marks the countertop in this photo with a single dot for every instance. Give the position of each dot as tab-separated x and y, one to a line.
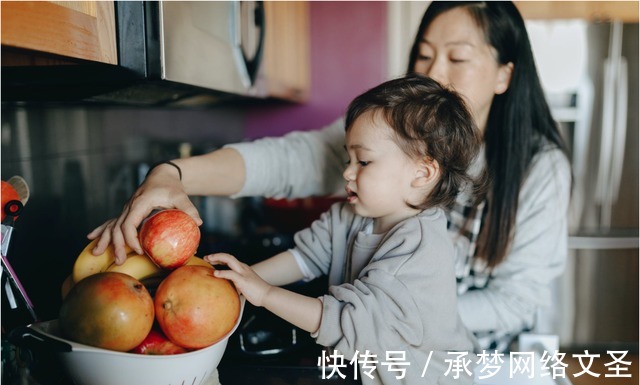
307	375
275	375
48	371
228	375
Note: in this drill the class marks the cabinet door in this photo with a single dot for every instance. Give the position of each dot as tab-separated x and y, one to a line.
626	11
68	29
286	50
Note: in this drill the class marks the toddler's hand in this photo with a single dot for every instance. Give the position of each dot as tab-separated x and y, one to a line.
247	282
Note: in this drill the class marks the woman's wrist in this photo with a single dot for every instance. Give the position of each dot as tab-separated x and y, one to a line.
168	166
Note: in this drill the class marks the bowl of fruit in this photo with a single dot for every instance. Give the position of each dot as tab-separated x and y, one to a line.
140	322
89	365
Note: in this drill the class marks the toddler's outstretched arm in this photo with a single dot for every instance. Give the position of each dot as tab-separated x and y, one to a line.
302	311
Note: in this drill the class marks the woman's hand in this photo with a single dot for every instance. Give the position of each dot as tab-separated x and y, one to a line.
246	280
162	189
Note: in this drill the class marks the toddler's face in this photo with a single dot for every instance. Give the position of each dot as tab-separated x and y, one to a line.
379	174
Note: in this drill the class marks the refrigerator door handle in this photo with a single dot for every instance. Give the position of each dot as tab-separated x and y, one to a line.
604	160
610	108
620	131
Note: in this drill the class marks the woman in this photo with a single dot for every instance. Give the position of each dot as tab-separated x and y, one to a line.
509	246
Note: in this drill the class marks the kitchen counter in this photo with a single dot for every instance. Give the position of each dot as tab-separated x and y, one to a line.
295	375
229	375
275	375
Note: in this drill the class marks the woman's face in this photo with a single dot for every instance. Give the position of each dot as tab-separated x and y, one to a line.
454	52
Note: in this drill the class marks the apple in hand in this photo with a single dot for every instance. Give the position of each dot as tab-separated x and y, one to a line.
169	238
156	343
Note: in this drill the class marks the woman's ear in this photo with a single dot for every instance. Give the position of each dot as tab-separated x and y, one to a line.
427	173
504	78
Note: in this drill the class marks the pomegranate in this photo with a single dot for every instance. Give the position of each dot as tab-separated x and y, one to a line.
169	238
194	308
108	310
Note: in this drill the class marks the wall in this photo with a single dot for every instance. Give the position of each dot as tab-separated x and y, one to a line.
83	163
348	56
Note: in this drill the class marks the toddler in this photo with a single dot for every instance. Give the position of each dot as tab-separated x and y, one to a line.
386	251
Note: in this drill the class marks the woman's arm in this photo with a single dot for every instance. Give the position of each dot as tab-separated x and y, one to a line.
520	284
217	173
299	164
296	165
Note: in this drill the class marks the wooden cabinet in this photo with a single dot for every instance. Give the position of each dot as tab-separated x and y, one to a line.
61	29
118	55
286	60
626	11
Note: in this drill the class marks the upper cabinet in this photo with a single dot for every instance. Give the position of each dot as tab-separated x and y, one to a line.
286	59
66	29
626	11
178	53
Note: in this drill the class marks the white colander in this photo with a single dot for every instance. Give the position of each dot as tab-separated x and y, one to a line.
88	365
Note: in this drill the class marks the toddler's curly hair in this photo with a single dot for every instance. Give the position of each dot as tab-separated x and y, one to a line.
430	122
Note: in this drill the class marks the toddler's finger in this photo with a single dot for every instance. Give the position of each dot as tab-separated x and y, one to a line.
221	258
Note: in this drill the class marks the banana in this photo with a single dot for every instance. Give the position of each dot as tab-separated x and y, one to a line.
67	284
198	261
88	264
139	267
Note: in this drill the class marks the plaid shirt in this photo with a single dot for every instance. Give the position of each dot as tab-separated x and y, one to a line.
464	224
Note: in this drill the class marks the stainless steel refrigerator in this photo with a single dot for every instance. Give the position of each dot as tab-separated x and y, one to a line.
590	73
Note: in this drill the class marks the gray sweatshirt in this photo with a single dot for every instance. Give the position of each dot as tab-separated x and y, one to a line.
392	293
311	163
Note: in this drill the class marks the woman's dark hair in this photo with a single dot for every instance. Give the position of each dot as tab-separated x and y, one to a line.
429	122
519	126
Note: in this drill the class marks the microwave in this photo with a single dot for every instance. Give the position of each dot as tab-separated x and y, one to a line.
170	53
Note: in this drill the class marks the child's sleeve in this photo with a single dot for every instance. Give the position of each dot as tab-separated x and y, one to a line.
313	247
325	239
304	268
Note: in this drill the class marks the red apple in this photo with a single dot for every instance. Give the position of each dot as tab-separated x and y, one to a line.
156	343
169	238
194	308
108	310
